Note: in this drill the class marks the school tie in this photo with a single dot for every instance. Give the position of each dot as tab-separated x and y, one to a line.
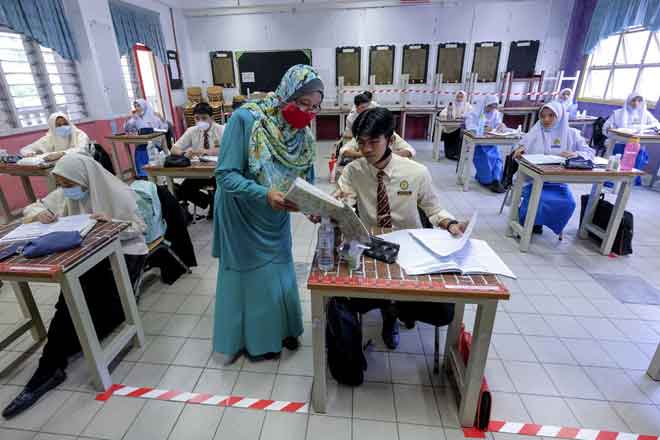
206	140
383	207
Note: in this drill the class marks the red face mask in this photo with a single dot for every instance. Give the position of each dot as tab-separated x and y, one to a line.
295	117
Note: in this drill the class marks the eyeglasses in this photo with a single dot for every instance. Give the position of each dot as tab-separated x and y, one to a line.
306	107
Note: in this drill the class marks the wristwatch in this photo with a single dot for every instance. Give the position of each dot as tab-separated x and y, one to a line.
451	222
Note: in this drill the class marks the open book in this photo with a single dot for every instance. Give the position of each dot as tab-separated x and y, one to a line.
312	200
440	241
544	159
82	223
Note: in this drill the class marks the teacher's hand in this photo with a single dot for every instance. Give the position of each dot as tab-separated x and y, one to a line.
278	203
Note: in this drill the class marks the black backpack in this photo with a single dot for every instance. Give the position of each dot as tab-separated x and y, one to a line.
102	157
623	241
343	335
597	137
510	169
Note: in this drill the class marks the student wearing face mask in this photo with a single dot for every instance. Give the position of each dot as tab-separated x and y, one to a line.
203	139
143	116
62	137
487	158
85	187
552	135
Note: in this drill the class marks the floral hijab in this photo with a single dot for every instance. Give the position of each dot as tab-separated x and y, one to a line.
277	152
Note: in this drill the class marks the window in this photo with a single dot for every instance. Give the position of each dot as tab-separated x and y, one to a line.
130	78
623	63
35	82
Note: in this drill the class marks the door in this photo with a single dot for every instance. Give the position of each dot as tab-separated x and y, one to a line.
149	83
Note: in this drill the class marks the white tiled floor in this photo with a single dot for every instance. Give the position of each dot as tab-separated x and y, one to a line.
565	351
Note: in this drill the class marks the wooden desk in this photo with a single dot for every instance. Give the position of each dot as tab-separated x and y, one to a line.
582	122
440	126
65	269
540	174
24	172
127	140
382	281
431	111
616	135
523	108
198	170
470	141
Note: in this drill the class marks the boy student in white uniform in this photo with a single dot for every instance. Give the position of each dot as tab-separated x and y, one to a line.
389	191
203	139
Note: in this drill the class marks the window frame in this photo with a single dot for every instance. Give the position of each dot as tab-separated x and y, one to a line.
612	66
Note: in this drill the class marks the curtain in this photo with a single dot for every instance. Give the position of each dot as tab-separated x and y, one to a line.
612	16
137	25
42	20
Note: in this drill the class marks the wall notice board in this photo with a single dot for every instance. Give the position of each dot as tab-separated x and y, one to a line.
415	62
522	58
261	71
486	59
222	68
450	62
381	63
348	65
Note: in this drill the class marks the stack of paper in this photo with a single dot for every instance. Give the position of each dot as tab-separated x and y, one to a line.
82	223
544	159
206	158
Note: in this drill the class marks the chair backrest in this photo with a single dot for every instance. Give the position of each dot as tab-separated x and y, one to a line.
215	94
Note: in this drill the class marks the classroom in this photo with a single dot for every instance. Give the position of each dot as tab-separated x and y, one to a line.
329	219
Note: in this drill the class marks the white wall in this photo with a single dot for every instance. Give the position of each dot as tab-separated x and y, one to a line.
324	30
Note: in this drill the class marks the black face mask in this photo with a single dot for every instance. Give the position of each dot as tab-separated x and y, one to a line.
387	153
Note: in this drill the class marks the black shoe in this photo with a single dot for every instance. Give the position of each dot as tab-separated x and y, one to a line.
27	398
409	324
537	229
390	332
264	357
291	343
497	187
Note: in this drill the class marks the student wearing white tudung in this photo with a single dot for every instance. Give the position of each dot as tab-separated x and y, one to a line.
143	116
62	137
453	137
487	158
552	135
565	97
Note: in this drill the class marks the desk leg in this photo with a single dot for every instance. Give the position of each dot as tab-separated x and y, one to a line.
453	332
126	295
319	392
654	368
515	203
27	187
50	182
617	215
437	135
590	210
89	340
483	330
131	158
29	308
403	125
532	208
116	163
464	165
5	211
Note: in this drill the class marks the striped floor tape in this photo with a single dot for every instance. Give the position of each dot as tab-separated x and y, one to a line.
203	399
532	429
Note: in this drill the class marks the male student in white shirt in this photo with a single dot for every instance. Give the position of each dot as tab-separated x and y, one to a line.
390	191
203	139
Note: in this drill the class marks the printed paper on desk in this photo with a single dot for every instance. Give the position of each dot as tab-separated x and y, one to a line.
82	223
311	200
506	132
440	242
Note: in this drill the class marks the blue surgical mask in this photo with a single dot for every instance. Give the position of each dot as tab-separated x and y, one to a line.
63	131
75	193
203	125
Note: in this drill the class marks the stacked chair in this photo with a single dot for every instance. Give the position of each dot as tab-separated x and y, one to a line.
216	101
194	95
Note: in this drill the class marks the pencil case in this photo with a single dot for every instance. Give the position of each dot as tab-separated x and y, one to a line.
382	250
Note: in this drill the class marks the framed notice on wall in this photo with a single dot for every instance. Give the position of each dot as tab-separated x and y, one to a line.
381	64
347	64
415	62
174	70
222	68
450	62
522	58
486	60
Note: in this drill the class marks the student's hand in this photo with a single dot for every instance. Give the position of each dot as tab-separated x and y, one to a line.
54	156
30	154
568	154
278	203
457	229
102	217
518	152
501	126
404	153
314	218
46	217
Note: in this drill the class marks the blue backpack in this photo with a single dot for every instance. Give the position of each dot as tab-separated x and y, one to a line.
150	210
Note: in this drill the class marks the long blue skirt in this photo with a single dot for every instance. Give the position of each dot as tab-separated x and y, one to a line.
555	207
640	162
255	310
488	164
141	159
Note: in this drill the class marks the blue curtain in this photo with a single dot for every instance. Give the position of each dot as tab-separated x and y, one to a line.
612	16
42	20
137	25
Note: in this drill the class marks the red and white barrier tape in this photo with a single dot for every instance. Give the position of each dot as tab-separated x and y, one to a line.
445	92
203	399
531	429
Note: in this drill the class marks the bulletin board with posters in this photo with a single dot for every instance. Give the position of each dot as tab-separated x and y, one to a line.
222	68
415	62
381	64
348	64
486	60
450	62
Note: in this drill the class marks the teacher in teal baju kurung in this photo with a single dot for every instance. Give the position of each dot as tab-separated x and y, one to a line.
265	146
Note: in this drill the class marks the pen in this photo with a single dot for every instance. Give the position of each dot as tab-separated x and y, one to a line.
47	208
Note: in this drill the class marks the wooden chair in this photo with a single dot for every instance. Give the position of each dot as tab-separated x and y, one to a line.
216	101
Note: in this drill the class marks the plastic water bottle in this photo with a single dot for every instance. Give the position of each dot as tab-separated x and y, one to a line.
325	247
152	151
481	126
630	154
450	111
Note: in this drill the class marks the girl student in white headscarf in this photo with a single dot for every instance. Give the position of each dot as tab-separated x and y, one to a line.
143	116
552	135
565	97
62	137
85	187
487	160
453	137
633	114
